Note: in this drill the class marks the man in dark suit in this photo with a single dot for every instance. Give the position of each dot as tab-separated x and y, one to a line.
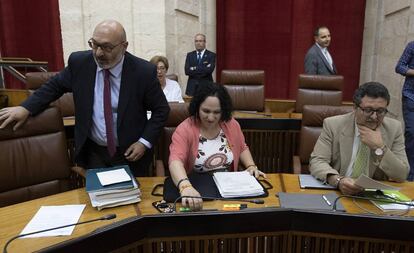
318	61
199	65
112	90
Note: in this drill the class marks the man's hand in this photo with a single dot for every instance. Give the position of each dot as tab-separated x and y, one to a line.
16	114
371	138
135	151
348	187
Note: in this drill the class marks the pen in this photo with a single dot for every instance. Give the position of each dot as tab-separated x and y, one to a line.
326	200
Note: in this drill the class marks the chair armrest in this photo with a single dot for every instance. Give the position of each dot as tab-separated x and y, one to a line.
79	170
297	165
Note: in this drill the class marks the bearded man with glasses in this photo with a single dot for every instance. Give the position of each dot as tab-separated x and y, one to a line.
364	141
112	90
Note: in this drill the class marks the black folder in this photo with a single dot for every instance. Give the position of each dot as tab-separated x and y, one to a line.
205	185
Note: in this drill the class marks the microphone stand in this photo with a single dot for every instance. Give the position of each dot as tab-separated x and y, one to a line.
410	204
106	217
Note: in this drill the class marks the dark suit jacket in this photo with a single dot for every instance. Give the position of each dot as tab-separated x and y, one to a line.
140	92
202	72
316	63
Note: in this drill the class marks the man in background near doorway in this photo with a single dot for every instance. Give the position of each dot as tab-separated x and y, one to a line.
405	67
112	91
199	65
318	60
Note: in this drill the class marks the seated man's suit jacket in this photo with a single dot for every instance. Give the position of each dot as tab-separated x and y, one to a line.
202	72
316	63
139	92
333	150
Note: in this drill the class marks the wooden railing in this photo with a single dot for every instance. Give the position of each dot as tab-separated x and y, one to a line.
11	63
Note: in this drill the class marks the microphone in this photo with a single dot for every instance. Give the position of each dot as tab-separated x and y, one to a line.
389	200
105	217
254	201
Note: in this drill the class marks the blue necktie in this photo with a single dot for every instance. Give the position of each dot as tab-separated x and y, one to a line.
199	57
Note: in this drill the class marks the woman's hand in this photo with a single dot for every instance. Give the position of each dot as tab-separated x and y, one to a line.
194	204
254	171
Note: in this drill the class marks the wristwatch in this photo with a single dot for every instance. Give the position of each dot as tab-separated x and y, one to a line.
380	151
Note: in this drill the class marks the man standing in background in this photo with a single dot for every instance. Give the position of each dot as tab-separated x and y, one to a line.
199	64
318	61
405	67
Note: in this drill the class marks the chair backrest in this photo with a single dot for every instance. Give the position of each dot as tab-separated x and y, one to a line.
178	113
65	103
246	88
34	159
319	90
312	122
172	77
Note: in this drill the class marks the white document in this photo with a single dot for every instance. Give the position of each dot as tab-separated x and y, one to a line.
54	216
113	177
237	184
369	183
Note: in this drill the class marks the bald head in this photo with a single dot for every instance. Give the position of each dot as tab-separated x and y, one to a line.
108	43
111	28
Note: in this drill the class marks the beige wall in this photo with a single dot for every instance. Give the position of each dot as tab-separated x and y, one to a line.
388	28
153	27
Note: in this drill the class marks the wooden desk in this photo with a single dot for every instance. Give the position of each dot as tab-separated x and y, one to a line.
139	228
14	218
290	183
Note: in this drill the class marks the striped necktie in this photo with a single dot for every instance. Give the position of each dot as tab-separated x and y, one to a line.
361	161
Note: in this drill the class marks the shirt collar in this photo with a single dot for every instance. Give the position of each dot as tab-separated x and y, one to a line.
202	51
115	70
321	48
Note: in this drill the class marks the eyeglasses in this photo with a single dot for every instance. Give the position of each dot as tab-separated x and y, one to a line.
107	47
369	111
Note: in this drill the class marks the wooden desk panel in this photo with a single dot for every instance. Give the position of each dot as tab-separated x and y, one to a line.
290	183
14	218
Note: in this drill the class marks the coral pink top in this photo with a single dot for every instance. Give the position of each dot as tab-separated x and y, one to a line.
185	140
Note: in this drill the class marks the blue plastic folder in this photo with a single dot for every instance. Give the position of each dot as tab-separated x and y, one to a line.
93	184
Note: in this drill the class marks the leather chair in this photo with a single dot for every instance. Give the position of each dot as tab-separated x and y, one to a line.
178	113
312	122
34	159
246	88
172	77
65	103
319	90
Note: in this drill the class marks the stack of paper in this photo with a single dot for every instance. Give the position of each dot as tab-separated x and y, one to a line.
237	184
385	200
109	187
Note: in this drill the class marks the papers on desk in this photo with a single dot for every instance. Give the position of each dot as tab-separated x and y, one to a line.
308	181
110	187
54	216
386	197
237	184
369	183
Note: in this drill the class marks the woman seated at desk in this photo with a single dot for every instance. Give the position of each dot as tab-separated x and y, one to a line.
171	88
209	140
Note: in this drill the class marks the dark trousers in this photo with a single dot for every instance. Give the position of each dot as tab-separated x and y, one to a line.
408	114
96	156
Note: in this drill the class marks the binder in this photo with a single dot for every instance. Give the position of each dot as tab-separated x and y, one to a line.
204	184
93	184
